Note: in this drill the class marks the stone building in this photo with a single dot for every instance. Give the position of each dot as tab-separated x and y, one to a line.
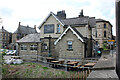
66	38
29	47
102	32
21	32
63	38
72	30
5	38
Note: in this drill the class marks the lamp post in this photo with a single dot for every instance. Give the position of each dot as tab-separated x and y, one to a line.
118	37
49	52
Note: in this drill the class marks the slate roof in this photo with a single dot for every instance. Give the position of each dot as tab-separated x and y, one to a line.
97	20
30	38
3	30
102	20
78	33
25	30
73	21
80	21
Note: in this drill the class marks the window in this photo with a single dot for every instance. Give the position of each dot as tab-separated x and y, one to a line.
99	34
96	34
104	33
3	36
49	28
58	28
44	47
23	47
96	42
69	45
6	36
104	25
33	47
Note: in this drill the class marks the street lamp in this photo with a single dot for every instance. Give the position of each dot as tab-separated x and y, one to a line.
49	52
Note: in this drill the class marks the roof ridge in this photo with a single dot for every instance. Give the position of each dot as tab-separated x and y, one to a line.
76	17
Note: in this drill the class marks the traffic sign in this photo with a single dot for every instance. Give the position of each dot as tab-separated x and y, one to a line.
111	40
111	43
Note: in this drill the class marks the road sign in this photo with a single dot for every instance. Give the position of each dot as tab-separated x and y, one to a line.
111	40
111	43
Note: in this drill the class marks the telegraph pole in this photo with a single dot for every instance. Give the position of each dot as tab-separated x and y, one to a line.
118	37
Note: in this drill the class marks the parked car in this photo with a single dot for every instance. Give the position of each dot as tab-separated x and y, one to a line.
11	52
14	60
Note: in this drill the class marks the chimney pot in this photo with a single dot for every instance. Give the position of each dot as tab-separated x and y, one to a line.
19	23
35	27
81	13
27	25
2	27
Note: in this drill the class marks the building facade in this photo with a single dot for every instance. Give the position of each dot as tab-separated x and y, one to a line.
5	38
79	27
68	38
29	47
103	33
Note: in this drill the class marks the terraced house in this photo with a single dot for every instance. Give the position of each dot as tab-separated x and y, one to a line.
5	38
65	38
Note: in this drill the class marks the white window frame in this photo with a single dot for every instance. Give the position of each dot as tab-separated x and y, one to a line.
24	47
70	44
58	28
33	47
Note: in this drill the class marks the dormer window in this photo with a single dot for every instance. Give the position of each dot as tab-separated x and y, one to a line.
58	28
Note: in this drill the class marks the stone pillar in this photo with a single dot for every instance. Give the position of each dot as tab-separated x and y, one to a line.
118	37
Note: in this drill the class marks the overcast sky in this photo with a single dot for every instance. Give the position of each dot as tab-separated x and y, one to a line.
33	12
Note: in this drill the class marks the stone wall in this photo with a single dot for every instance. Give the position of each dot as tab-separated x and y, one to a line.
29	55
62	46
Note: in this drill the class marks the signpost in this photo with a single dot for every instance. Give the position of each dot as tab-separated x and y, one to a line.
110	42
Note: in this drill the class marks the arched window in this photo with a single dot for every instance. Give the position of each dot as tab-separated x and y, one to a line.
104	33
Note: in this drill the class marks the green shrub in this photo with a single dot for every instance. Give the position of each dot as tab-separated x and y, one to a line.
45	68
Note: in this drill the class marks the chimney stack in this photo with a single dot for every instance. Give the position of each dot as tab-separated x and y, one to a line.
81	13
61	14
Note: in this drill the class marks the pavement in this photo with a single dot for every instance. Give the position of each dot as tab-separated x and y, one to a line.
105	67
